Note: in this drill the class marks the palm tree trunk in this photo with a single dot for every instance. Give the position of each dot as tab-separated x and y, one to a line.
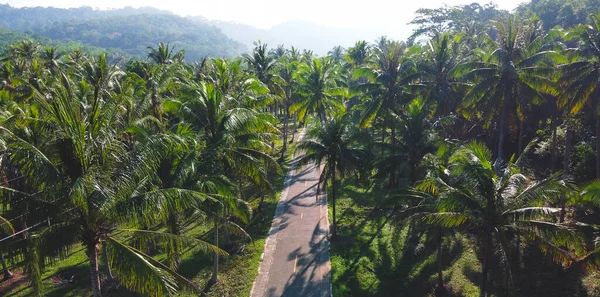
487	255
228	241
92	251
439	260
173	222
109	274
392	153
502	131
295	129
518	252
260	205
521	136
563	211
383	138
214	278
568	147
598	141
553	149
332	174
285	134
7	273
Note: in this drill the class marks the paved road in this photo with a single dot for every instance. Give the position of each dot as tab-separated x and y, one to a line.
296	256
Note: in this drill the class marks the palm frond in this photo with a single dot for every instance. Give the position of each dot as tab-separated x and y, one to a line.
140	273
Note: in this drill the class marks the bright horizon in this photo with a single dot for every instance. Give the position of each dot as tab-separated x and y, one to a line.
375	14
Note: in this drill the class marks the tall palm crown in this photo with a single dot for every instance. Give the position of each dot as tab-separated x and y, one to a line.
581	78
512	75
358	54
237	86
161	55
318	90
84	172
387	80
442	56
496	202
236	136
333	146
261	62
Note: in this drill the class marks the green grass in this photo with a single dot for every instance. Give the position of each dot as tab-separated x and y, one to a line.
68	277
236	272
371	257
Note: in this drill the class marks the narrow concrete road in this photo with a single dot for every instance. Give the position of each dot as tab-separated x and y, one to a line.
295	260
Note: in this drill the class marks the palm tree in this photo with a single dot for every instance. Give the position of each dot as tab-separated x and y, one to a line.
442	56
387	85
161	55
417	135
358	54
319	92
84	172
428	193
287	72
581	78
236	140
261	63
495	202
161	82
513	74
51	59
7	228
331	144
23	55
336	54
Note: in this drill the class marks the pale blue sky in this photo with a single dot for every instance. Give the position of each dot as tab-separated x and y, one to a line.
266	13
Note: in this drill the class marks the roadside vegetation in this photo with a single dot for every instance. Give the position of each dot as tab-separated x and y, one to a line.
463	162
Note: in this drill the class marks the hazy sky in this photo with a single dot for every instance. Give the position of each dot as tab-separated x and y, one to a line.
266	13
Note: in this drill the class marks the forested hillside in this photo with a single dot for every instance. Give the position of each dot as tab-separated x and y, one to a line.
465	164
128	31
559	12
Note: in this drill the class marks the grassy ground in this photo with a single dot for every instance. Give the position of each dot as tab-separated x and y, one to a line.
371	257
70	277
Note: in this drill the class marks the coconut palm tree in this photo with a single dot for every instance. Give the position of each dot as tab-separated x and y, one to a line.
386	85
495	202
287	69
23	55
336	54
331	144
442	56
318	90
581	78
261	63
429	190
7	228
161	55
358	55
514	74
82	170
236	140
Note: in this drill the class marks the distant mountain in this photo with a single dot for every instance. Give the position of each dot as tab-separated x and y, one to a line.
128	30
12	38
301	34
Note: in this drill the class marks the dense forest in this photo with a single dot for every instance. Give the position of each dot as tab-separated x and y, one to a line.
127	31
464	161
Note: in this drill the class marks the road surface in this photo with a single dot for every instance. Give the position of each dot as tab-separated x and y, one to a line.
295	261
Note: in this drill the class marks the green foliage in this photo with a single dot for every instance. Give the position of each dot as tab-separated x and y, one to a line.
562	13
144	165
126	32
584	167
